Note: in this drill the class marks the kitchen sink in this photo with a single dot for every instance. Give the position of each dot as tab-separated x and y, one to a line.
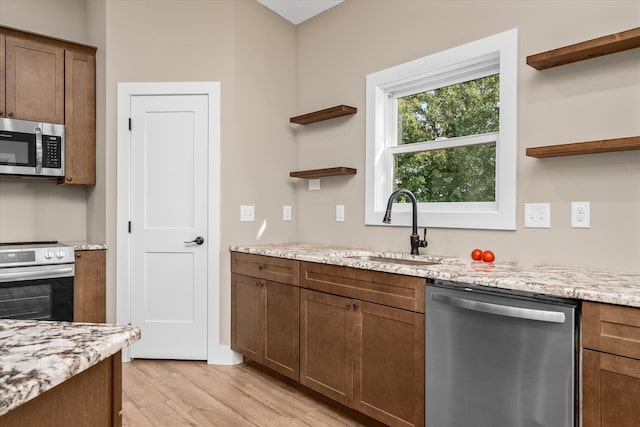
391	260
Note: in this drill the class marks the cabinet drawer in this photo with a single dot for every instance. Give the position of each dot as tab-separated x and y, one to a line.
611	328
264	267
394	290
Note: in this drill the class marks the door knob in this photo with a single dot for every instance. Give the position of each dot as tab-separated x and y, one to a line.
198	240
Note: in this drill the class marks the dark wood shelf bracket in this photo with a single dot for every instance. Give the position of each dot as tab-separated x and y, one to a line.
326	114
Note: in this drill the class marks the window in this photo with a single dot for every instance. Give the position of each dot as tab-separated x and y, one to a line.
444	127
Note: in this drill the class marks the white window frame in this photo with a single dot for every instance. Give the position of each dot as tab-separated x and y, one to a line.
491	55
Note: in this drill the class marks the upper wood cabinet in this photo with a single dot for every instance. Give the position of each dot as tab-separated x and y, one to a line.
54	81
80	118
34	79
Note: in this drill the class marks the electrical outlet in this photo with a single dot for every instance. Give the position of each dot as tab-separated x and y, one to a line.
339	213
580	214
286	213
537	215
247	213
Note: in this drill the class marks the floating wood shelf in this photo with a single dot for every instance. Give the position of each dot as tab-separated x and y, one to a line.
319	173
605	45
326	114
590	147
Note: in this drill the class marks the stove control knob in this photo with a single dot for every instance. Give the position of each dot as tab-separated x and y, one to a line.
48	254
60	254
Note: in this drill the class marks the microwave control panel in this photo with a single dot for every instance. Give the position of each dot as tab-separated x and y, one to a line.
52	147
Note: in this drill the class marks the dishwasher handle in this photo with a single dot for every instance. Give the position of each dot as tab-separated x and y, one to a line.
501	310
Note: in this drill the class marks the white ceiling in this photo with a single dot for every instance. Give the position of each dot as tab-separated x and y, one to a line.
297	11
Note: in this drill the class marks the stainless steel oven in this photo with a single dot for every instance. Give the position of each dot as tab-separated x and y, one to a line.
36	281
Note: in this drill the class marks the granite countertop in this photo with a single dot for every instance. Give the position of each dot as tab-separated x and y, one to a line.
570	282
86	246
35	356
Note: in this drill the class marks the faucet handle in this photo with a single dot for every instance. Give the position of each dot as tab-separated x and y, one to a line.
423	243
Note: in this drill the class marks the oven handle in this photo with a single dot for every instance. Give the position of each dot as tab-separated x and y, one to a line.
40	274
501	310
38	150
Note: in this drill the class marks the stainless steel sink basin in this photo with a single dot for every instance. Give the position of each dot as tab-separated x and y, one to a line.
390	260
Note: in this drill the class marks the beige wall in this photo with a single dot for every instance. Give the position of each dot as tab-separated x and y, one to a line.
246	47
41	210
271	70
251	51
595	99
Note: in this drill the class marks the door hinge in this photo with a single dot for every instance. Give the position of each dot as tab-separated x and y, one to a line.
129	226
129	123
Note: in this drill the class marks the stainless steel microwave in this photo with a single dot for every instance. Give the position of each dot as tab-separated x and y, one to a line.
31	148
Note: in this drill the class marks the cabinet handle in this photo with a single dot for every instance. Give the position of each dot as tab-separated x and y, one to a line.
355	305
347	305
260	267
10	114
1	113
69	178
258	283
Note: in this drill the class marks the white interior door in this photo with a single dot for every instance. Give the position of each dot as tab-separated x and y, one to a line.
168	207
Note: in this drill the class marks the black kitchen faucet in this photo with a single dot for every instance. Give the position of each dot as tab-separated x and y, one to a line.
414	238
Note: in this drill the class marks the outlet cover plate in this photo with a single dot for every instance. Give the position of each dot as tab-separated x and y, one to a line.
339	213
580	215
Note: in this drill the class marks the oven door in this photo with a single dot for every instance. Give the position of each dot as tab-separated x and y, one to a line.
38	293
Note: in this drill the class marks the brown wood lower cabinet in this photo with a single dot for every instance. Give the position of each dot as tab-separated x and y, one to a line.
326	345
366	356
264	323
611	390
91	398
352	335
610	365
89	287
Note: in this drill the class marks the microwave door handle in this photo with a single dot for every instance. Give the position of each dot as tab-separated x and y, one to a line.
38	150
501	310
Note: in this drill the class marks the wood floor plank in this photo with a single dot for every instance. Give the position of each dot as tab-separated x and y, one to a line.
186	393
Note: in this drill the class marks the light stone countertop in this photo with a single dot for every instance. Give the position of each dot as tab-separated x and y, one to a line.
86	246
35	356
569	282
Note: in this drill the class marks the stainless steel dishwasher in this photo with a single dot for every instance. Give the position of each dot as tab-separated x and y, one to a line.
497	358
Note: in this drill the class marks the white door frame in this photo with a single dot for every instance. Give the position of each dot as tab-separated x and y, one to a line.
216	353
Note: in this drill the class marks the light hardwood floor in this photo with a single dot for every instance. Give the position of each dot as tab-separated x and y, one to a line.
185	393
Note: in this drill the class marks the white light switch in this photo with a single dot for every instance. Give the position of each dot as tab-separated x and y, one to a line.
247	213
339	213
286	213
537	215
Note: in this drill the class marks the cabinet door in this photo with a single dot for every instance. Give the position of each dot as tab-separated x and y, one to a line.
89	303
389	364
2	76
280	330
80	118
326	345
611	390
34	80
245	316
